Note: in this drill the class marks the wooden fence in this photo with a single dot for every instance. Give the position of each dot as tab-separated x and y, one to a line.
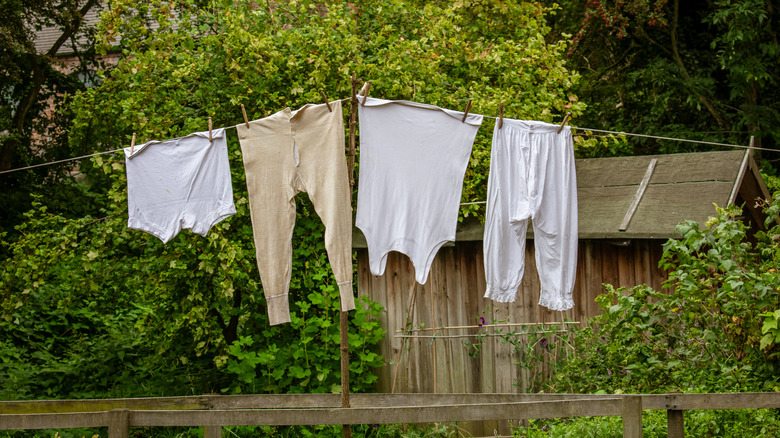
429	325
213	412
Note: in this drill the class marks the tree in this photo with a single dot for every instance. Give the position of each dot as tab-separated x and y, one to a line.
699	70
34	120
194	302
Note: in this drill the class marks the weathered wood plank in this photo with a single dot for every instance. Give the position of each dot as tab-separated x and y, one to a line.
371	286
626	263
451	316
95	405
601	209
680	401
212	431
404	414
632	416
408	288
53	421
473	293
687	402
609	265
675	423
737	181
396	315
673	168
119	423
640	191
594	264
664	206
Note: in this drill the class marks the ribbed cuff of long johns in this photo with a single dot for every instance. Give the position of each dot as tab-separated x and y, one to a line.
347	297
278	309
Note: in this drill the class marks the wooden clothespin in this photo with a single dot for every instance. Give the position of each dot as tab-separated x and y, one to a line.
500	115
466	111
210	138
243	111
325	98
132	144
364	92
565	119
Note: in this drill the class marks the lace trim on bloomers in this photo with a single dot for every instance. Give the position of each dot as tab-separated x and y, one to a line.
552	300
501	295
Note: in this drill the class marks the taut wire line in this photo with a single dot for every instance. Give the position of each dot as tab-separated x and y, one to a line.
49	163
629	134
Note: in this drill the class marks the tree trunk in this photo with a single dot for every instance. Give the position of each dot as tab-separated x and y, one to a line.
678	60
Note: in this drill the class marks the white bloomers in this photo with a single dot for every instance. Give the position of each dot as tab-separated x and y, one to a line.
532	176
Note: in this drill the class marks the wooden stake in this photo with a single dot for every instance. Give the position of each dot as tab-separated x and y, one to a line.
409	310
352	123
433	338
132	144
210	138
346	430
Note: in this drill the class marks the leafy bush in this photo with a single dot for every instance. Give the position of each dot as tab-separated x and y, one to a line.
713	329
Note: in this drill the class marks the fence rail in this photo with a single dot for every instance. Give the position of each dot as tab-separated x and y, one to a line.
214	411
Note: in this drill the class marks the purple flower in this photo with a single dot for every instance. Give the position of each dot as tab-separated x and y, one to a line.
609	372
543	342
481	321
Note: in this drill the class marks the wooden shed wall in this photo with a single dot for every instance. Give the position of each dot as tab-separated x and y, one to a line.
452	297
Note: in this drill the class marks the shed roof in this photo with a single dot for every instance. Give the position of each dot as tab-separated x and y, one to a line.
678	187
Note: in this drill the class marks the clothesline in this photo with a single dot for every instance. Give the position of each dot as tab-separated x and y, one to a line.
629	134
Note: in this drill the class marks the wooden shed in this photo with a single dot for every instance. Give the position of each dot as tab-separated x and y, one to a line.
628	207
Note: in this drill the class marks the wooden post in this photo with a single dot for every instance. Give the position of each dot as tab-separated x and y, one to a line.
352	123
632	416
675	423
212	431
344	316
119	423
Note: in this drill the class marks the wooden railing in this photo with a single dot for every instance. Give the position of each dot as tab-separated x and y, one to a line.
212	412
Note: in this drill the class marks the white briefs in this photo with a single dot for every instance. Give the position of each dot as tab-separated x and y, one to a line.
179	183
532	176
413	158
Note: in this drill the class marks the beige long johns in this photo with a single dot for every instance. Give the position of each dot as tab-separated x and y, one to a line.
284	154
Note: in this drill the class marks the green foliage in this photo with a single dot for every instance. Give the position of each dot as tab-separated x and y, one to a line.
691	69
441	53
714	329
307	362
704	333
34	114
715	423
539	351
90	308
